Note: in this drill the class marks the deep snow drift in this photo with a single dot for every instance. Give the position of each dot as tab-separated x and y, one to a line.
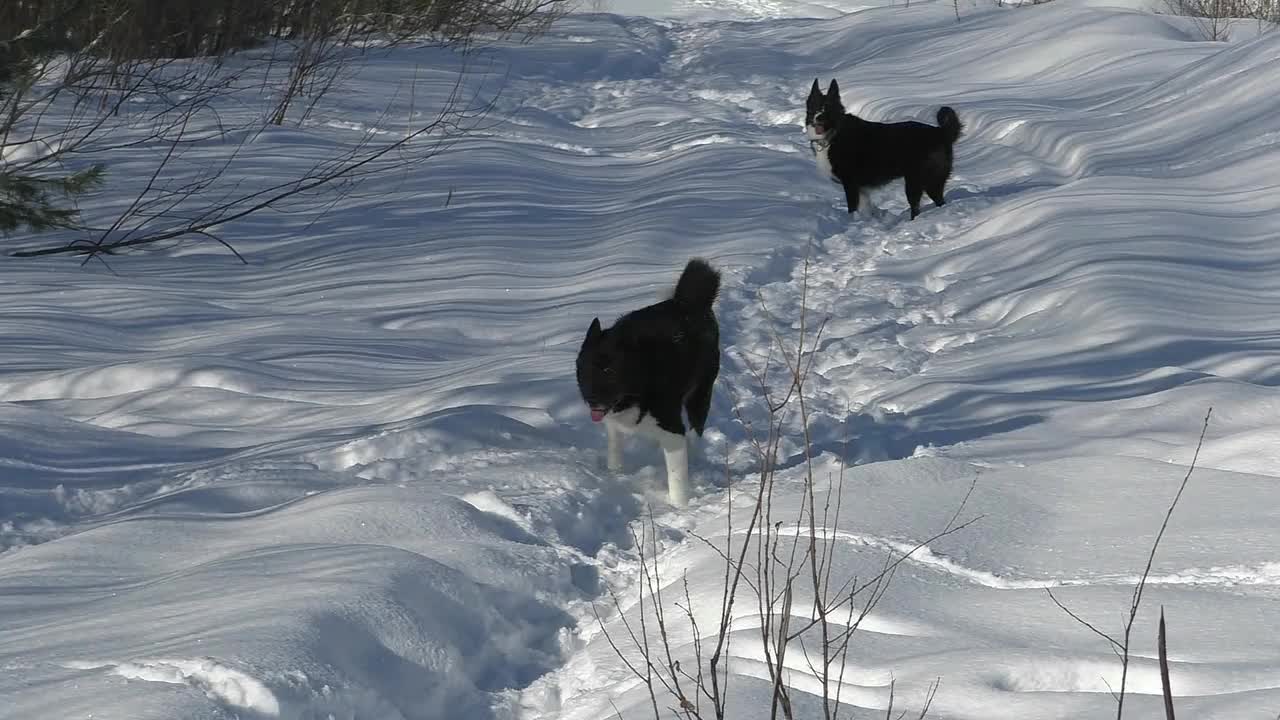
354	478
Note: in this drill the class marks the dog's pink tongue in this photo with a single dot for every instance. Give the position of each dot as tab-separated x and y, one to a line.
596	415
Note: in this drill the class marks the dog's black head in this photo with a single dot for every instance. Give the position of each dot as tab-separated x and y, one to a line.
600	372
822	113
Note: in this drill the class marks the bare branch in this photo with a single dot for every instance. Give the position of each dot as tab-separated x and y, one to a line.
1115	643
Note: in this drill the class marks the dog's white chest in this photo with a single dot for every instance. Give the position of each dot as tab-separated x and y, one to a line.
629	421
822	153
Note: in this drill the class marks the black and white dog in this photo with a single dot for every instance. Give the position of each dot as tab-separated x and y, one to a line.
860	154
638	375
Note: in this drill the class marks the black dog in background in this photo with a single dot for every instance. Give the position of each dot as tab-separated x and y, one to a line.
860	154
638	375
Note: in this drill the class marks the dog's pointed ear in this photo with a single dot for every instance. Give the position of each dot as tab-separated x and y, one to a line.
833	90
815	91
594	332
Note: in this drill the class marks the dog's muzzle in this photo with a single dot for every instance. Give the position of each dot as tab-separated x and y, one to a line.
823	138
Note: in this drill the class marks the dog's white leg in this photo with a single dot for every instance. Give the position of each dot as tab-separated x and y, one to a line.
614	453
864	204
676	450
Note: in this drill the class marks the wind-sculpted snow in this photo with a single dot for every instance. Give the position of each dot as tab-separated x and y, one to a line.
354	479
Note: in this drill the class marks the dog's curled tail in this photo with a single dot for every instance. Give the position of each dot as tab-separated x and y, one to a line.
950	124
698	285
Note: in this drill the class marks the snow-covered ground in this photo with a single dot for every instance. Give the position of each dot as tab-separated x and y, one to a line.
354	479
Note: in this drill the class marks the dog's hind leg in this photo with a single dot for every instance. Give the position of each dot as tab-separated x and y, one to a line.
698	405
852	193
934	189
914	191
864	202
937	170
675	448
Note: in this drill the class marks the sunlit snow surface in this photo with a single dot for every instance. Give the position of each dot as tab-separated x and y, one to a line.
354	479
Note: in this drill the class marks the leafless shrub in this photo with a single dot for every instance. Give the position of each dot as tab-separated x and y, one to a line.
186	29
1214	18
106	76
175	207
